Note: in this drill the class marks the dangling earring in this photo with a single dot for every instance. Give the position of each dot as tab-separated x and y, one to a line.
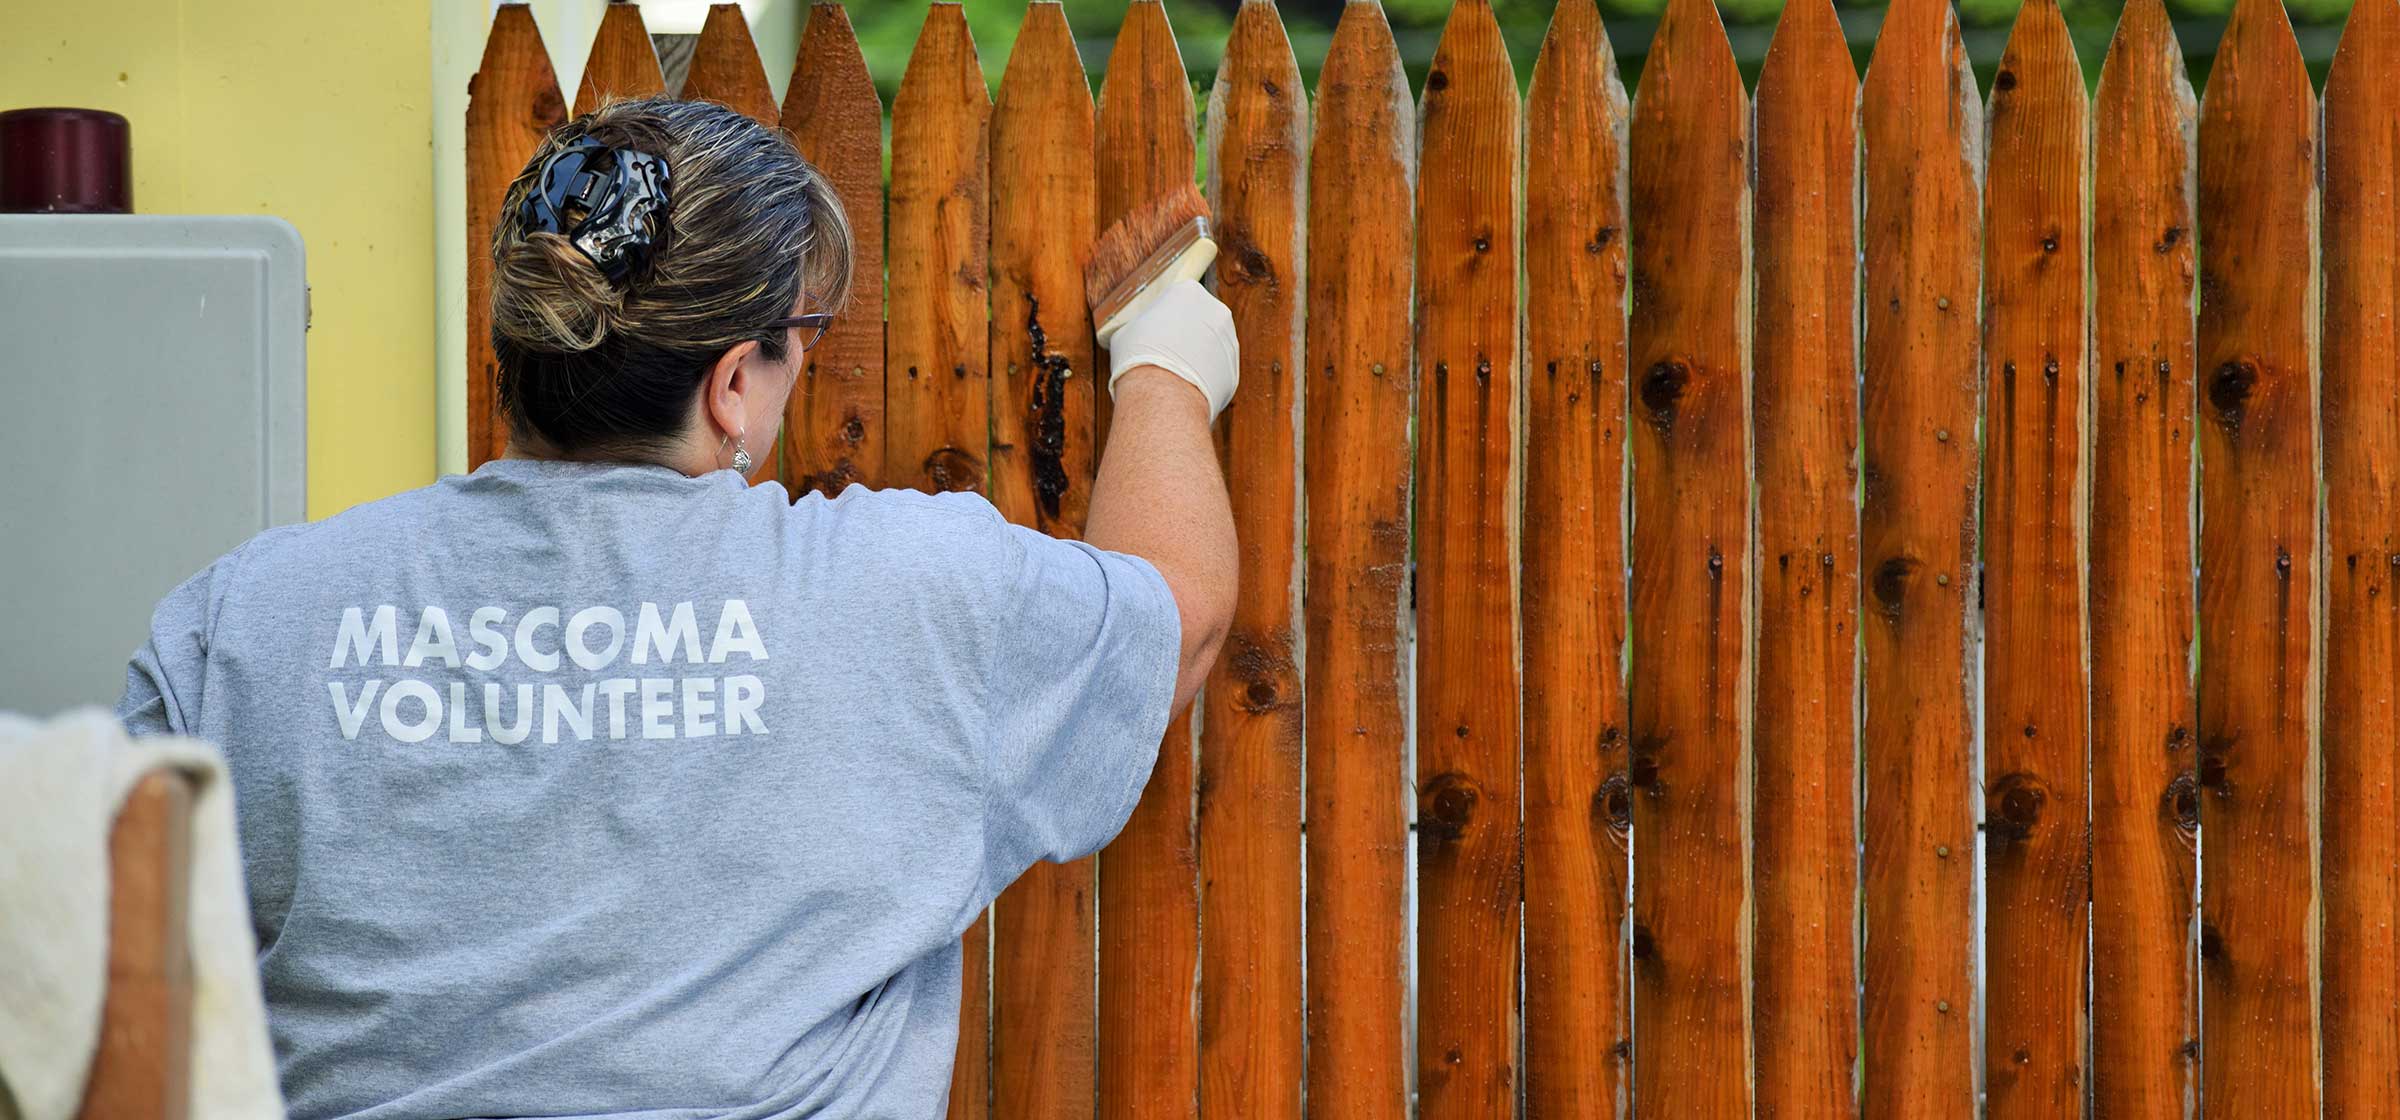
741	458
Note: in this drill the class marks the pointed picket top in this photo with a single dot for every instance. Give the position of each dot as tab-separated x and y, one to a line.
512	100
1357	478
2361	245
1808	55
1143	94
622	64
726	69
1920	60
1573	563
2143	68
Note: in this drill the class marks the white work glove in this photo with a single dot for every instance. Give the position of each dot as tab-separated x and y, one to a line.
1187	333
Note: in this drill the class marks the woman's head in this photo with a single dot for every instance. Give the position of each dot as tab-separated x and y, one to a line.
682	349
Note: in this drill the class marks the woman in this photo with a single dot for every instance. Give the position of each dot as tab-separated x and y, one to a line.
597	783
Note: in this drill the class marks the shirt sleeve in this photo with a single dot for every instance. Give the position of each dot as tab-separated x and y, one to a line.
163	682
1082	674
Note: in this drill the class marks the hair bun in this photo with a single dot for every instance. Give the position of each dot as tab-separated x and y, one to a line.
549	297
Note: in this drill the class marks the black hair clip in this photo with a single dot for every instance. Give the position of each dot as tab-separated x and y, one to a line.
610	203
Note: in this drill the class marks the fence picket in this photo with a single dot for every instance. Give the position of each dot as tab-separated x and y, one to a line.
1577	805
1920	127
937	401
1692	577
2035	361
1468	836
726	69
833	427
1356	451
1150	877
2360	818
1804	830
1249	767
622	62
512	101
1044	1052
2145	808
2258	571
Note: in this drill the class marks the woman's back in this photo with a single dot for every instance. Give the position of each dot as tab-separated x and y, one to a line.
570	789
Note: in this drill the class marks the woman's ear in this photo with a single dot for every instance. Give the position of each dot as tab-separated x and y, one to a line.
730	382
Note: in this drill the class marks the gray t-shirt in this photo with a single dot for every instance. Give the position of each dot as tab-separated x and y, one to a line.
601	791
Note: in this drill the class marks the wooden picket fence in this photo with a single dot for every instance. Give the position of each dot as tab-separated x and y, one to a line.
1784	592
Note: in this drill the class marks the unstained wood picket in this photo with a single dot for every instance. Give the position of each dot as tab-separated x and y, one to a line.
1699	559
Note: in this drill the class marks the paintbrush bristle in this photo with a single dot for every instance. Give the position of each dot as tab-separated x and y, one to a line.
1165	240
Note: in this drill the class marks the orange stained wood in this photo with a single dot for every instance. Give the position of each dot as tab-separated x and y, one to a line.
1577	807
1150	877
512	101
2035	372
622	64
1468	837
141	1061
1920	126
1804	832
725	67
2360	818
1249	770
1044	1050
2259	585
1356	448
833	427
2145	809
1692	579
937	394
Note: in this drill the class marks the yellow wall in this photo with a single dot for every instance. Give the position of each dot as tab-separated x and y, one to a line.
315	112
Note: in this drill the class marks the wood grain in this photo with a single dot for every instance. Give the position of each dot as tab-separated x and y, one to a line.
1251	1027
2259	580
2145	807
1468	835
1577	806
2036	859
726	68
2360	818
1692	575
833	427
512	102
1149	878
937	397
1044	1048
141	1065
1804	830
1921	129
1356	449
622	63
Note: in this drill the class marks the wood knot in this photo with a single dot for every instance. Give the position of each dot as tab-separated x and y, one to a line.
1437	81
1662	391
1612	805
2180	805
1448	805
950	468
2016	807
2229	392
2004	80
1890	585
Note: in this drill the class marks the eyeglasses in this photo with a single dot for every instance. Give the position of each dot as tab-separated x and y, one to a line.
815	325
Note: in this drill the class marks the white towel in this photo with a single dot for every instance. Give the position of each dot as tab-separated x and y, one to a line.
61	784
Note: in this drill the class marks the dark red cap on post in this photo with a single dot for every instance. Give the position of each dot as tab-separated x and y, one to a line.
65	161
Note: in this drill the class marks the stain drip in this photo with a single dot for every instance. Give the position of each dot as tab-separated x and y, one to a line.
1048	403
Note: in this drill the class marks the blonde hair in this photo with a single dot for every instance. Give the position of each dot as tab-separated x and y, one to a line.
749	228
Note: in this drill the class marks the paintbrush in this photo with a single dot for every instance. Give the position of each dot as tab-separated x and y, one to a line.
1143	253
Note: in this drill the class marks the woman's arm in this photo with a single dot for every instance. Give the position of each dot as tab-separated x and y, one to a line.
1160	496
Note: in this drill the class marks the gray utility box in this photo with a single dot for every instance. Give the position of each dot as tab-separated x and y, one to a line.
152	417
